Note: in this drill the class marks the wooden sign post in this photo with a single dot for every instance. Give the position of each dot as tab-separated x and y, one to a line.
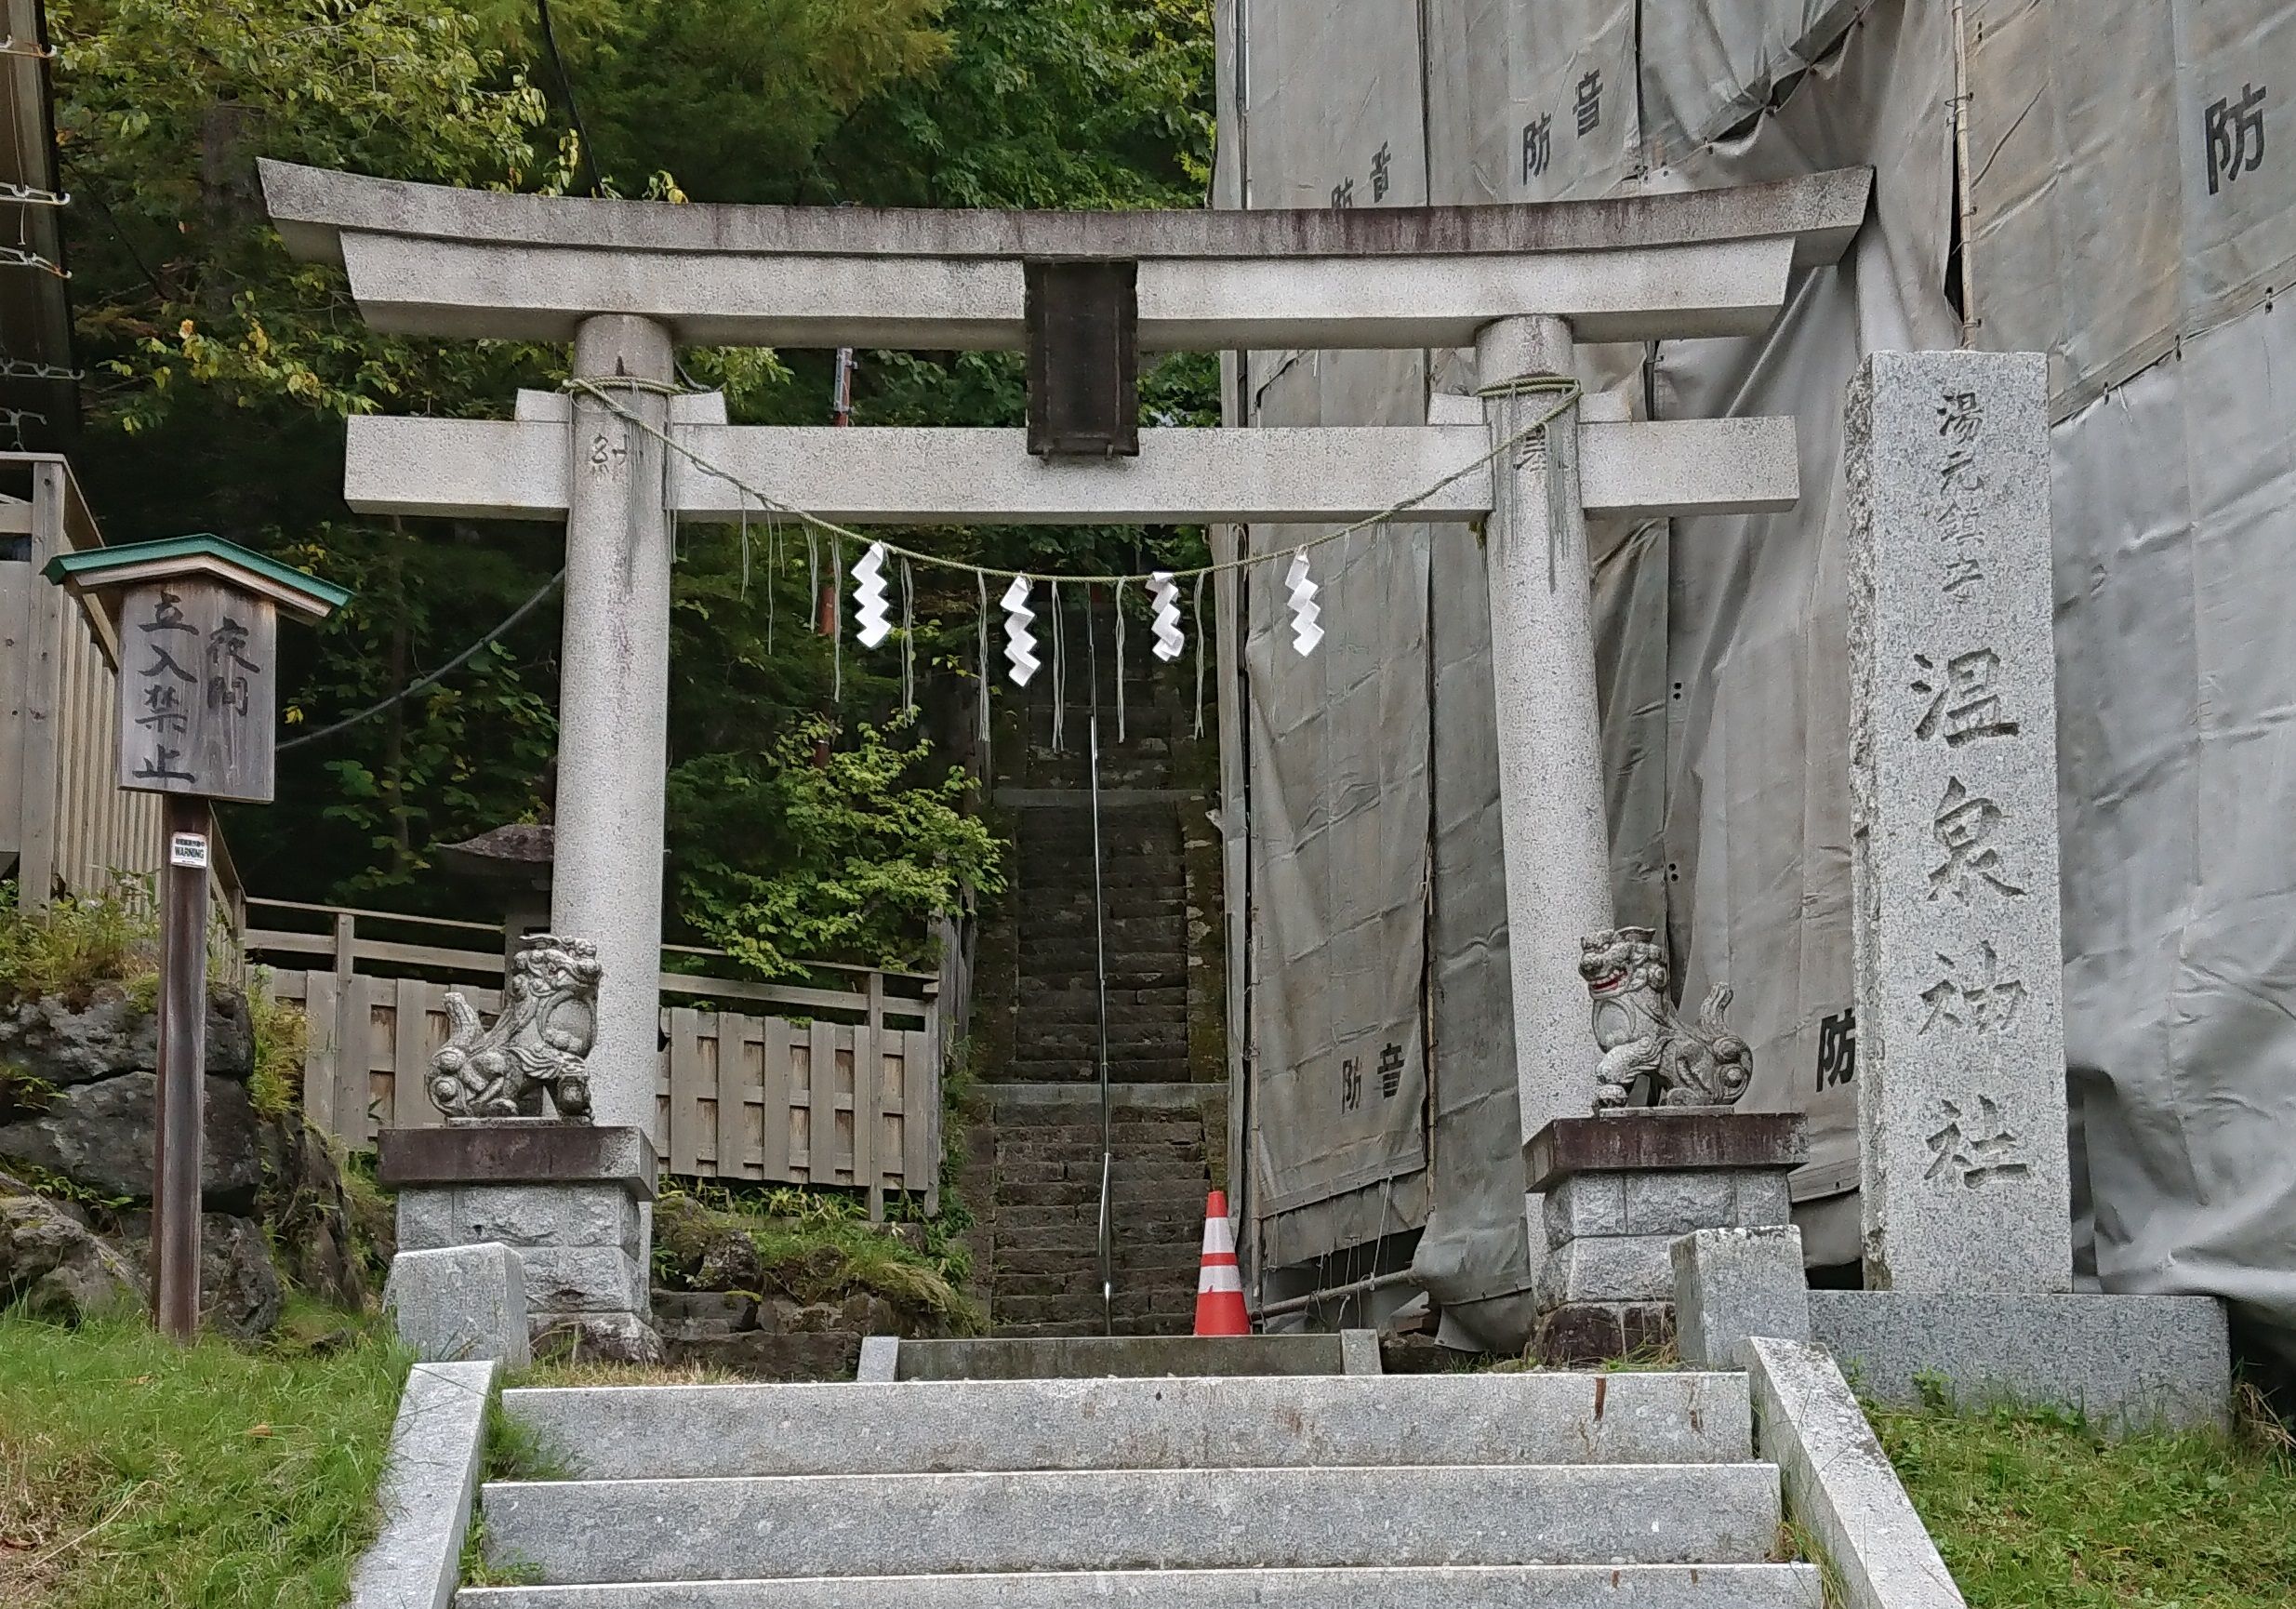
198	622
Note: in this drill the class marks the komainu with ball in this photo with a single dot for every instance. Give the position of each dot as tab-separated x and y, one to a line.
1690	1064
549	1014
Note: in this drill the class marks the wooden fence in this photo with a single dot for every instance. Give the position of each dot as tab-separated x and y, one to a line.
840	1086
64	820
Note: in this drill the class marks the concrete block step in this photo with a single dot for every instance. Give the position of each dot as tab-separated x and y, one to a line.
1452	1587
576	1531
1172	1422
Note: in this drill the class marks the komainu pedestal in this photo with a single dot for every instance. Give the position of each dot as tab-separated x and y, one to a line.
568	1198
1620	1188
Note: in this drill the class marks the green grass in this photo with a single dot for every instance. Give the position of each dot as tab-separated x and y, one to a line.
2039	1511
79	942
138	1475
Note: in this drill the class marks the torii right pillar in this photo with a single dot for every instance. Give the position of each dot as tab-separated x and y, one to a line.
1552	824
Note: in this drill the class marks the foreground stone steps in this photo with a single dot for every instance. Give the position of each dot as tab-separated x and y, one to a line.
1262	1421
1019	1476
1442	1587
1066	1520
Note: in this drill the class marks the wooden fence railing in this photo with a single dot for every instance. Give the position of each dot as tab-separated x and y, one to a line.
829	1085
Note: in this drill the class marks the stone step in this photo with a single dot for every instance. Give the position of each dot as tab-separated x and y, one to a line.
1082	1041
1072	1357
1036	997
1148	1061
1172	1422
1476	1587
654	1530
1066	863
1084	1190
1137	1126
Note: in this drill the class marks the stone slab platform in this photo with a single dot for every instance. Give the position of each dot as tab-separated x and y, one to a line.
1090	1357
698	1431
1657	1139
518	1150
1132	1519
1487	1587
2129	1363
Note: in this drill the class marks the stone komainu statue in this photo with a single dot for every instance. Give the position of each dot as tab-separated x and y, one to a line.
549	1014
1692	1064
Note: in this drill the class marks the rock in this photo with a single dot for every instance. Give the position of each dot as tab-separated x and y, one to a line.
310	1213
821	1267
98	1136
609	1337
239	1292
824	1355
731	1264
817	1319
871	1314
709	1251
56	1266
61	1043
689	1315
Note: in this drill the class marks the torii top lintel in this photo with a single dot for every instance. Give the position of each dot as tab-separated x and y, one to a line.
431	260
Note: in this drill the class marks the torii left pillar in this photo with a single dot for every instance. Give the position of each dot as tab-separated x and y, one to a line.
1552	824
614	702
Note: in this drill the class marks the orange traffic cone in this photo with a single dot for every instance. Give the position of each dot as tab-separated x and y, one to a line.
1219	1289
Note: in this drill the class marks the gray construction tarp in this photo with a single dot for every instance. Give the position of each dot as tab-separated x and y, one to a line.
2131	212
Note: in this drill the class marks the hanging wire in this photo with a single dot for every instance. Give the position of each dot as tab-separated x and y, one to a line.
1100	969
1060	672
1120	662
1200	655
909	642
985	770
837	623
773	575
431	680
745	549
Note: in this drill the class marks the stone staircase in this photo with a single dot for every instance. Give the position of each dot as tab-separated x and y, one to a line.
1033	1180
1533	1491
1042	1222
1143	891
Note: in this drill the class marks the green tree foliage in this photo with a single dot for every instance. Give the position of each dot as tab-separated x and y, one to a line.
220	372
731	96
794	860
1053	103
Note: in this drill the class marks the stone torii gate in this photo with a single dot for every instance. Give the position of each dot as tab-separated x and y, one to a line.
626	282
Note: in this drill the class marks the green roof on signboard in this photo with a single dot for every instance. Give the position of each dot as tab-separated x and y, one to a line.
91	567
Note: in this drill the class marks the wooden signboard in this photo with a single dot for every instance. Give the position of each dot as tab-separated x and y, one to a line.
198	620
199	690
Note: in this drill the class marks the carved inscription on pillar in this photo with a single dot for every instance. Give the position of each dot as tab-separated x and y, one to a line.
1954	826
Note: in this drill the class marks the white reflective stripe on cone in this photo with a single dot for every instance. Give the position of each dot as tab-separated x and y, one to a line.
1219	1237
1220	1277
